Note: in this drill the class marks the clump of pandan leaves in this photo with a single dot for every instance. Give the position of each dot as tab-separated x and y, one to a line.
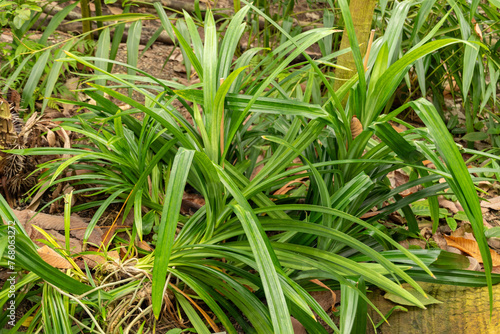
248	256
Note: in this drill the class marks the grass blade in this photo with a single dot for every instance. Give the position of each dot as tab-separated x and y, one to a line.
103	47
133	41
54	74
34	79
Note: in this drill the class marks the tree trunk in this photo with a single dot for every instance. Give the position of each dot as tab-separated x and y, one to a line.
362	16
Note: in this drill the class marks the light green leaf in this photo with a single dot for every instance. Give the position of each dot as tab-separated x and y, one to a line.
398	300
475	136
493	232
168	224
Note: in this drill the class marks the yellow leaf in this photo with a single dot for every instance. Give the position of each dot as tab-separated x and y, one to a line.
27	322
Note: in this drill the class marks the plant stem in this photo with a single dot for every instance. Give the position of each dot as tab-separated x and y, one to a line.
98	12
86	25
237	6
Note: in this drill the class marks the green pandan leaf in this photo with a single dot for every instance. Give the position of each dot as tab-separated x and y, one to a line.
398	300
175	331
475	136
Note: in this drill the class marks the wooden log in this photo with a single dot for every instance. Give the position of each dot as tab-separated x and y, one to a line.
464	310
188	6
67	27
147	32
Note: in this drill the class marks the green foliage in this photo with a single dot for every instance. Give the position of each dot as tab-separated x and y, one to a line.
34	66
29	65
462	70
16	13
251	252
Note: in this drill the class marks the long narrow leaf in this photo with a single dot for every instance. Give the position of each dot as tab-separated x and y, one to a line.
168	224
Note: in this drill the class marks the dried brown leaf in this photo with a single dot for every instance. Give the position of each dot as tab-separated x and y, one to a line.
478	31
474	264
399	178
115	10
51	138
370	214
492	203
96	259
287	187
356	127
471	247
144	245
325	299
444	203
53	258
258	166
51	222
191	203
398	127
440	241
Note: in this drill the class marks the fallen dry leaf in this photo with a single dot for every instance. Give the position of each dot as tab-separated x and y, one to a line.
413	242
469	235
115	10
326	299
485	185
494	243
454	250
53	258
51	138
51	222
398	127
440	241
460	231
485	223
397	218
370	214
474	264
191	203
444	203
287	187
96	259
470	247
399	178
477	30
176	55
144	245
492	203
